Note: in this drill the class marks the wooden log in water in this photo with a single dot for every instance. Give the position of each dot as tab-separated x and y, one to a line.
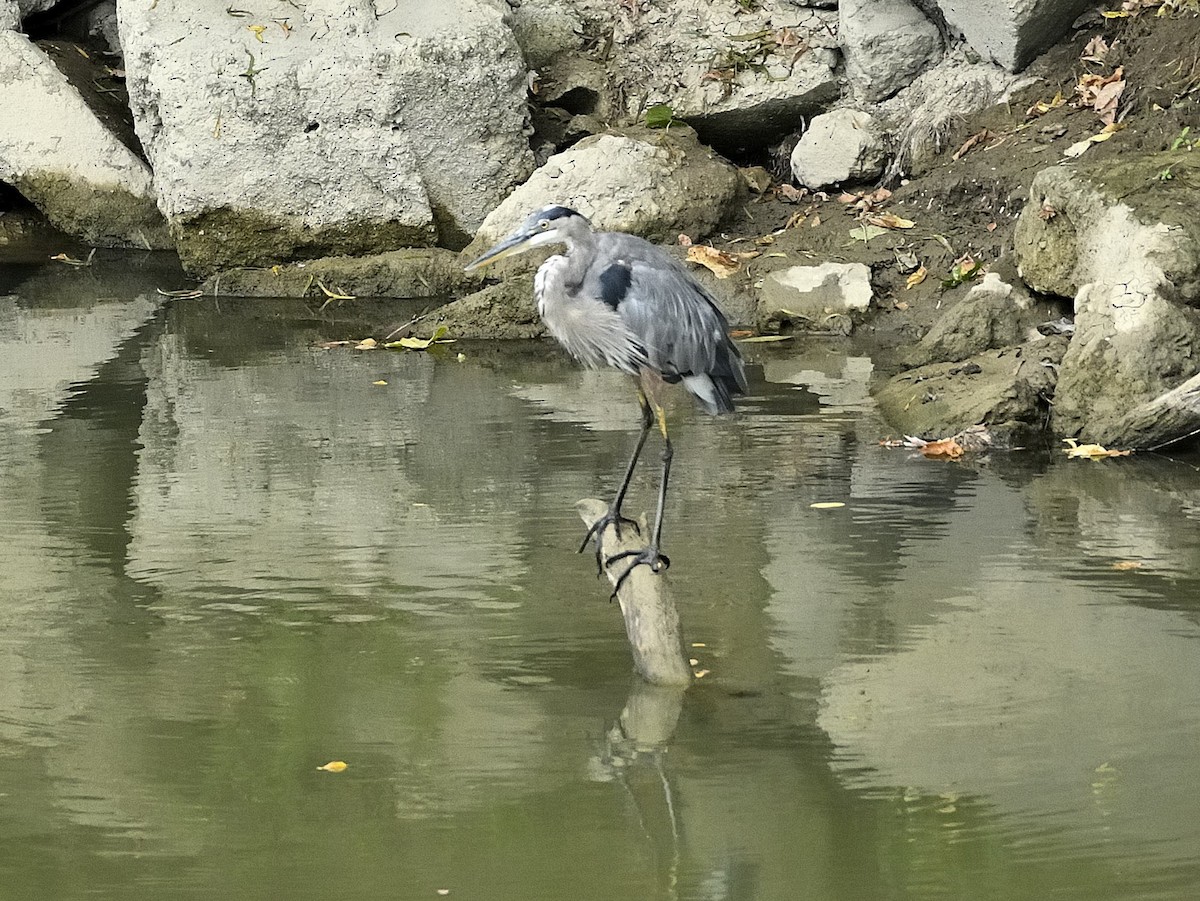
651	620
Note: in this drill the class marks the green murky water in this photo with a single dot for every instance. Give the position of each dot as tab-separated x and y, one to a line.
228	557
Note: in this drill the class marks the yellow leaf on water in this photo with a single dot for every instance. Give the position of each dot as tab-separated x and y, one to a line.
1126	565
438	337
1091	451
366	344
380	382
334	766
826	505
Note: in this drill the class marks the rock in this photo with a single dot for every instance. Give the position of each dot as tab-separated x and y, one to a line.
820	298
924	113
993	314
736	93
652	183
1012	32
501	311
1127	247
349	132
410	272
101	24
546	28
839	147
887	43
33	7
10	15
1006	390
58	155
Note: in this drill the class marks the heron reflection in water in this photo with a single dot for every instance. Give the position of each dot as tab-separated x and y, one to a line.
616	300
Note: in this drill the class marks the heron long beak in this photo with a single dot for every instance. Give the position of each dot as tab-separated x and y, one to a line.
513	244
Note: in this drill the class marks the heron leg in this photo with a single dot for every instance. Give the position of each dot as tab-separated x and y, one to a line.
649	555
613	516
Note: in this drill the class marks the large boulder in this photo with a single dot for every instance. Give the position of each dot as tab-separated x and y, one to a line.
842	146
648	182
742	74
56	153
1123	240
1006	390
337	129
1012	32
886	43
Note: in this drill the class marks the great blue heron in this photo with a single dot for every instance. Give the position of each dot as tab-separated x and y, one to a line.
617	300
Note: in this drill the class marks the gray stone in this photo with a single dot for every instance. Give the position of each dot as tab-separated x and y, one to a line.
1129	253
352	131
101	23
10	15
546	28
56	153
815	296
923	114
993	314
1006	390
1011	32
410	272
736	91
503	311
887	43
32	7
839	147
652	183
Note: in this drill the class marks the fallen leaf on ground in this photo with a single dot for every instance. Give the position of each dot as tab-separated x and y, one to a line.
866	232
916	278
1095	51
1091	451
764	339
718	262
790	194
334	766
1102	93
1080	147
980	137
1043	106
890	220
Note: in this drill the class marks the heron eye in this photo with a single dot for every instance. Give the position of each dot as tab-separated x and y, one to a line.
544	224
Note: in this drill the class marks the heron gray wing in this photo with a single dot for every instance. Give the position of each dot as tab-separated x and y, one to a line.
684	334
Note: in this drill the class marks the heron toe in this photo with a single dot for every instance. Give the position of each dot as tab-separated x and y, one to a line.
647	556
611	518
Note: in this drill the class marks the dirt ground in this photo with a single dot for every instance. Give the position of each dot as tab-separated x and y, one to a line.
969	205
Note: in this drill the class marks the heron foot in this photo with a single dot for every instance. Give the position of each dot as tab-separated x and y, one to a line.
611	518
647	556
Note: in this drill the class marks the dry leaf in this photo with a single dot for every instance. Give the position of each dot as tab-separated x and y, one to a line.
438	337
1080	147
379	382
946	447
1047	212
1091	451
334	766
790	194
890	220
1042	107
684	241
1126	565
719	262
916	278
826	505
765	339
327	345
980	137
1095	51
366	344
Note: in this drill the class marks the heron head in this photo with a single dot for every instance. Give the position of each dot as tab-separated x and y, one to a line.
551	225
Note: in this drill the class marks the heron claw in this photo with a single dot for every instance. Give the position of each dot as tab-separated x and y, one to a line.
613	518
647	556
